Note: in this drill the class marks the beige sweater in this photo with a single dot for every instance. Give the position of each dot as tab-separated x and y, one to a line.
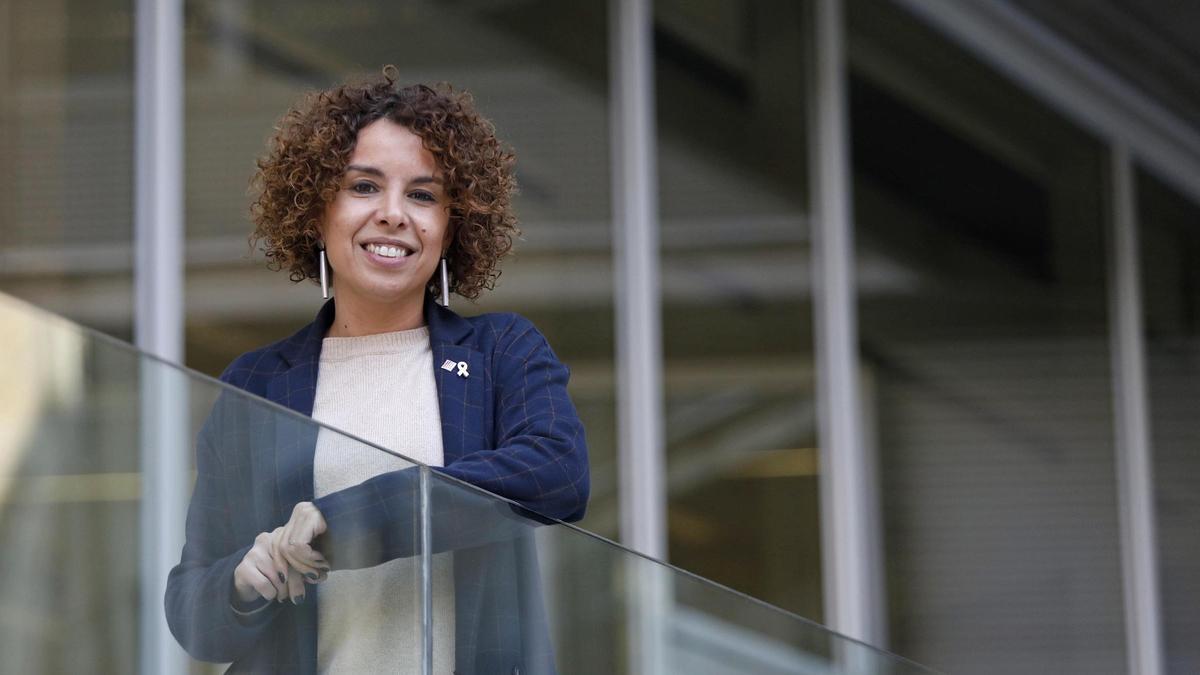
380	388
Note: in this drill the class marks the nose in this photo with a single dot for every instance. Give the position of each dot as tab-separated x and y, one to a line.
391	209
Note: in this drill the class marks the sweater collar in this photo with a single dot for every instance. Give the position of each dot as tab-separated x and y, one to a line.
445	327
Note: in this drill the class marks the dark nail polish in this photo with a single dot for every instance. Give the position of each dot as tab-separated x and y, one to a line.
297	599
311	576
282	579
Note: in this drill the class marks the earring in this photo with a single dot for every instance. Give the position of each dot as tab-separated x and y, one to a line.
324	274
445	285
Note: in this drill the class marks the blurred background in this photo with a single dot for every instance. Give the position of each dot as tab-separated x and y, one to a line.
984	282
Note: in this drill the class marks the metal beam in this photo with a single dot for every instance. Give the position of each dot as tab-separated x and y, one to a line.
158	316
640	450
1071	81
637	287
1134	452
849	553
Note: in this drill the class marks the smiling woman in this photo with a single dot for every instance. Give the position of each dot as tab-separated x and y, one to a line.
386	230
313	158
375	187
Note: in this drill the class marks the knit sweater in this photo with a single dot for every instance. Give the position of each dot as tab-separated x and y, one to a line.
379	388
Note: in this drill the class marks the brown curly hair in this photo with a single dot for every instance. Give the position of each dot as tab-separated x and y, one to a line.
308	153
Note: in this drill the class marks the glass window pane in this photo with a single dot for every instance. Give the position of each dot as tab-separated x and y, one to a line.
737	333
66	158
981	219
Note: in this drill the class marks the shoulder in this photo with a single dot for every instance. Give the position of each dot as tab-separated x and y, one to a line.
516	351
251	371
505	333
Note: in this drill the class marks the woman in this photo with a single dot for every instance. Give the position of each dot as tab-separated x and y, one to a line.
390	196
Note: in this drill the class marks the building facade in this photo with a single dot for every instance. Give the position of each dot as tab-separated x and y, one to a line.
895	302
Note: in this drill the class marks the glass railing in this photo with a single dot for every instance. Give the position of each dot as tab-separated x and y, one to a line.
113	462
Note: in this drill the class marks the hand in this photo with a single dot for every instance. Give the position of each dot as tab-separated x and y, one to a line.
260	575
291	545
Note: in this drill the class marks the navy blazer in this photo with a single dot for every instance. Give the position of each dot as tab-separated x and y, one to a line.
508	426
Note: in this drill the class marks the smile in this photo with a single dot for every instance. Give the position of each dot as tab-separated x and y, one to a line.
388	251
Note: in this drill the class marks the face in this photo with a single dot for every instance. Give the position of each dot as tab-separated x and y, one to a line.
387	227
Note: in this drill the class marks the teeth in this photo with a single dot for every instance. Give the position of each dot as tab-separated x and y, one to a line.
388	251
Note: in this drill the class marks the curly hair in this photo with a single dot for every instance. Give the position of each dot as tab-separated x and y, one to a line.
301	173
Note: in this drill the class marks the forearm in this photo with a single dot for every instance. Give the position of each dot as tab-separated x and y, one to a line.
380	519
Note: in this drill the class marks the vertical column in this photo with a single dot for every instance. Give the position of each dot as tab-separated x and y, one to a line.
1135	471
158	315
640	452
849	553
639	317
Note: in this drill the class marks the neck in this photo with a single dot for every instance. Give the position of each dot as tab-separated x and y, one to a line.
354	317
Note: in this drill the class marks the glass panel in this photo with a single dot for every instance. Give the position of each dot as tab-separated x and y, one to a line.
1170	255
66	158
537	69
505	586
73	412
985	352
737	332
590	606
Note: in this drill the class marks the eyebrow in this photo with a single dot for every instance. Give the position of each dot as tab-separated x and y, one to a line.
364	169
370	170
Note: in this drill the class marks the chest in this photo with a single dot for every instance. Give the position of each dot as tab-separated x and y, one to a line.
463	406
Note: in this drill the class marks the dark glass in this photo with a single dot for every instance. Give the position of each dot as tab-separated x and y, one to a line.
737	312
981	241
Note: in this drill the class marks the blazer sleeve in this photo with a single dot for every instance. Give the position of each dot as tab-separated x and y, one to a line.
200	588
539	462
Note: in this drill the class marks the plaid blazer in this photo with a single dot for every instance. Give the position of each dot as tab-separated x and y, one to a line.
508	427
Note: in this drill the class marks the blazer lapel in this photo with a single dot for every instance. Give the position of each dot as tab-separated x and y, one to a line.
461	382
295	388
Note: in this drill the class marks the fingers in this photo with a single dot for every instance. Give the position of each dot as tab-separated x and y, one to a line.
295	589
272	567
307	561
294	543
251	583
278	562
257	573
265	583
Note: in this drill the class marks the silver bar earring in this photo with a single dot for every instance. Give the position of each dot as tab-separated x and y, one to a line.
324	276
445	285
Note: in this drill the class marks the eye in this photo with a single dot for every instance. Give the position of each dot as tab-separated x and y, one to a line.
423	196
364	187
